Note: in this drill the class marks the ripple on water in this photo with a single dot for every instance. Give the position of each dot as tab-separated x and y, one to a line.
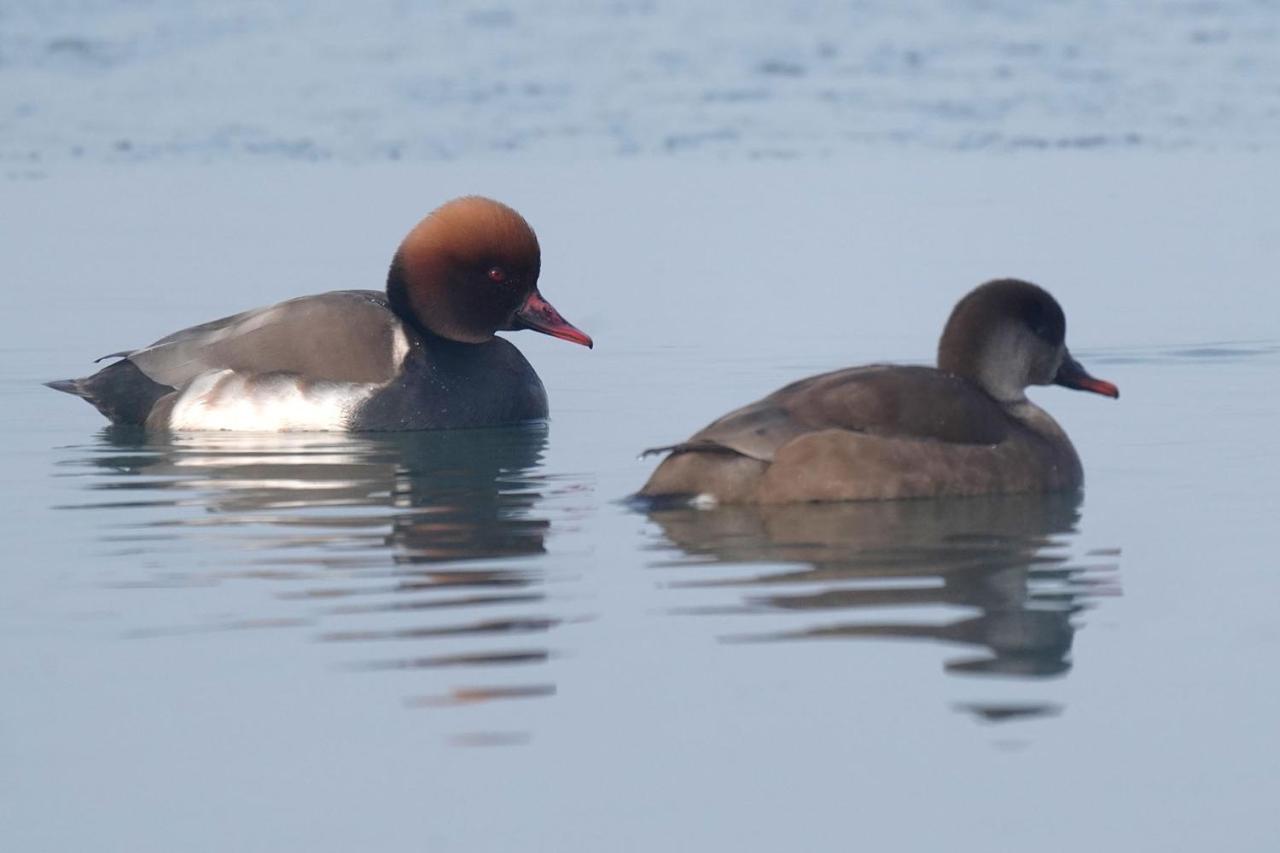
418	554
994	578
406	550
388	81
1211	352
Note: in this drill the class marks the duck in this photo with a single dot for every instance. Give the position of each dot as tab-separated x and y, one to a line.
422	354
889	432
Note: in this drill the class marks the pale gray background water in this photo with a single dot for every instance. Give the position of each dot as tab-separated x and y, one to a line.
467	642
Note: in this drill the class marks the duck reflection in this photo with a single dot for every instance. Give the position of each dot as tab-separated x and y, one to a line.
445	496
403	538
1003	557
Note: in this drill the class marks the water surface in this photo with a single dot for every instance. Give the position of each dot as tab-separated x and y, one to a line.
470	641
123	81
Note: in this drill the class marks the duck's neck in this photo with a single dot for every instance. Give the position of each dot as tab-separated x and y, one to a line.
400	305
398	296
993	361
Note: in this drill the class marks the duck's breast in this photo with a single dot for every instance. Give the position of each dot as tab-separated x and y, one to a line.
448	385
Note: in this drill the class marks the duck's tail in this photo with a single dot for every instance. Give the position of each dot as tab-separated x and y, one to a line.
120	391
69	386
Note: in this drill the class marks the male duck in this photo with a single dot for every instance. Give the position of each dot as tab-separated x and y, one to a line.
421	356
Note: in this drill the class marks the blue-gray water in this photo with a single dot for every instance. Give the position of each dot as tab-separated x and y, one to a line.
467	641
134	80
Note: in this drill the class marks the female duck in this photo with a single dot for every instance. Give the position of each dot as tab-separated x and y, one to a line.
421	356
882	432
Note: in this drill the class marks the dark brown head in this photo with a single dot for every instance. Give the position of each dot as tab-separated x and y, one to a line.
1008	334
471	269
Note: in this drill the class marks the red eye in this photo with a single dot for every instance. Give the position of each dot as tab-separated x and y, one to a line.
498	275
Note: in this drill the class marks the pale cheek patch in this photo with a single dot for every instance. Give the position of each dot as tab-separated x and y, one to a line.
226	400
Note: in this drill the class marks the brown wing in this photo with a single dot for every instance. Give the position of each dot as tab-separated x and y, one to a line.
344	336
895	401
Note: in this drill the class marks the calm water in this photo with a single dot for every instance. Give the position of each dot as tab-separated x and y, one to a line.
470	641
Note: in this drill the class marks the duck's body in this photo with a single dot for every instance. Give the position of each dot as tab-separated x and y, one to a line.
333	361
872	433
885	432
421	356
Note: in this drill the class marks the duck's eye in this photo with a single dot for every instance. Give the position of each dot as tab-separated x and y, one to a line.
497	275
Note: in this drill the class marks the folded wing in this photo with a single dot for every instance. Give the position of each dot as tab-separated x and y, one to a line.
894	401
343	336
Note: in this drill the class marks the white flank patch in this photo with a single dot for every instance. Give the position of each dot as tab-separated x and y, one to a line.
226	400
